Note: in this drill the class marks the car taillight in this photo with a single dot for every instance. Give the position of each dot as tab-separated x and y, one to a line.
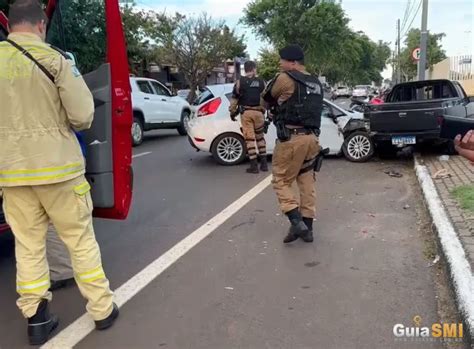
210	107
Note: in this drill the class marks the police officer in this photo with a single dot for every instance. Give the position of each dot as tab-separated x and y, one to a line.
43	98
296	100
246	100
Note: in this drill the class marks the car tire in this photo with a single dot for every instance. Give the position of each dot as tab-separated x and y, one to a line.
229	149
358	147
182	130
137	132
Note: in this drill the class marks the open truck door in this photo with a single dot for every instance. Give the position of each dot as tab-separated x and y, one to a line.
92	31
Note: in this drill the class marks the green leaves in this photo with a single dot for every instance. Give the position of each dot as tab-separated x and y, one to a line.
198	45
268	64
322	29
435	52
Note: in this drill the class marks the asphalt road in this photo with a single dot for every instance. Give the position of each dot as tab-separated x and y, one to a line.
241	287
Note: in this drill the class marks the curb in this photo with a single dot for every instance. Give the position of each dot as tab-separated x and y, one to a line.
459	267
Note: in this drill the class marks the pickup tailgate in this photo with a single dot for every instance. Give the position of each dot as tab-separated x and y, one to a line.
405	117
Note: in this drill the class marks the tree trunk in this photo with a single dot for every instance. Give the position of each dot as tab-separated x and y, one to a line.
192	93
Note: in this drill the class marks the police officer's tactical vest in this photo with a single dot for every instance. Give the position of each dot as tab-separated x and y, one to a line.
250	91
305	106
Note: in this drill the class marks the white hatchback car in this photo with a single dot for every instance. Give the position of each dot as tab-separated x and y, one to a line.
210	129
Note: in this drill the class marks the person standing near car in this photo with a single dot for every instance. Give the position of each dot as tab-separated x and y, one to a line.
42	170
296	101
246	100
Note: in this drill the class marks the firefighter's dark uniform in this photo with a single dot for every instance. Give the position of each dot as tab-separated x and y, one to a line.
247	97
297	99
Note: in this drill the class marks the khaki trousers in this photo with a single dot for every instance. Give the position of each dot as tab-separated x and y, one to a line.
294	161
68	206
60	267
253	123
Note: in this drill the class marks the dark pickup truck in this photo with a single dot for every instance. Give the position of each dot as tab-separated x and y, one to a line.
413	112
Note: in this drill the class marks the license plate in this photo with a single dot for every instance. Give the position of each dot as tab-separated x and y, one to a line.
402	140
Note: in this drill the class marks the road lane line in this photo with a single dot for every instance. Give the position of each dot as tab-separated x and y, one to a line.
80	328
141	154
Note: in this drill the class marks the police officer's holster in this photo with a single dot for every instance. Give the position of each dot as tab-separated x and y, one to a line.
28	210
294	160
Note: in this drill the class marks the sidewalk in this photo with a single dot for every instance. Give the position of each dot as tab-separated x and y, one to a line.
438	177
458	172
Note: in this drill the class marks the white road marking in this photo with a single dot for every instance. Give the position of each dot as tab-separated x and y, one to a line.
141	154
461	272
80	328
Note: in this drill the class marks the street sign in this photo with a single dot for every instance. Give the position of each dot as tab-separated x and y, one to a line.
416	54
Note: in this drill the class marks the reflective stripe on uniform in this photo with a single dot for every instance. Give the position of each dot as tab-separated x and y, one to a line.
82	189
92	275
40	174
33	286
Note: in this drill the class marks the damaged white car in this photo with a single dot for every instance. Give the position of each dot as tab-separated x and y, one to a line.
210	129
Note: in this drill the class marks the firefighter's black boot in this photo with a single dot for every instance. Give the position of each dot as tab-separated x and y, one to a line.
263	163
41	324
298	228
253	166
308	237
108	321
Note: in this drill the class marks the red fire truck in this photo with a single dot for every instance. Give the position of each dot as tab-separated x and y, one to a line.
96	36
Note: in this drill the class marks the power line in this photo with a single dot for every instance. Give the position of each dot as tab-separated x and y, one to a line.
406	15
416	14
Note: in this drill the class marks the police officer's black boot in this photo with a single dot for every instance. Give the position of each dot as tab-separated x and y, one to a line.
298	228
308	237
263	163
253	166
41	324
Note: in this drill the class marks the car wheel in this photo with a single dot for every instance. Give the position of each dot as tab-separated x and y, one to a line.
183	129
358	147
137	132
229	149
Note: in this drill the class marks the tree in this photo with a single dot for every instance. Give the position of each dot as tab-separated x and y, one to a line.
145	33
321	28
435	53
197	45
268	64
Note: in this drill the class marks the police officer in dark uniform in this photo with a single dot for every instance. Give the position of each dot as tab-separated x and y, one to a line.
295	98
247	101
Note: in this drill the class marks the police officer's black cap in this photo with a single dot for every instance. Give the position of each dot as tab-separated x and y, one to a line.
292	53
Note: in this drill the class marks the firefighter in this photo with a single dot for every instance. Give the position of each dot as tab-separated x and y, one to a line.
43	98
296	100
246	100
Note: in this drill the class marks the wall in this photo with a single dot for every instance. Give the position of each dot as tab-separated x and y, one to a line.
452	69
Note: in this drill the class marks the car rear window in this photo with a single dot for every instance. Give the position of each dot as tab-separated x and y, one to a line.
422	92
229	96
205	96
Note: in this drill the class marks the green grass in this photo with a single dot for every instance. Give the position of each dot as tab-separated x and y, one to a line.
465	196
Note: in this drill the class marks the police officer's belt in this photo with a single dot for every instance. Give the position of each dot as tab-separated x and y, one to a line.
300	131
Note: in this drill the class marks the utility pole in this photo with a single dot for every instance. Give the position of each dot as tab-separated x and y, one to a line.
399	68
423	42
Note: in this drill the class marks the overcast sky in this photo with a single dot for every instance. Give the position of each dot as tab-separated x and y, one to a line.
377	18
